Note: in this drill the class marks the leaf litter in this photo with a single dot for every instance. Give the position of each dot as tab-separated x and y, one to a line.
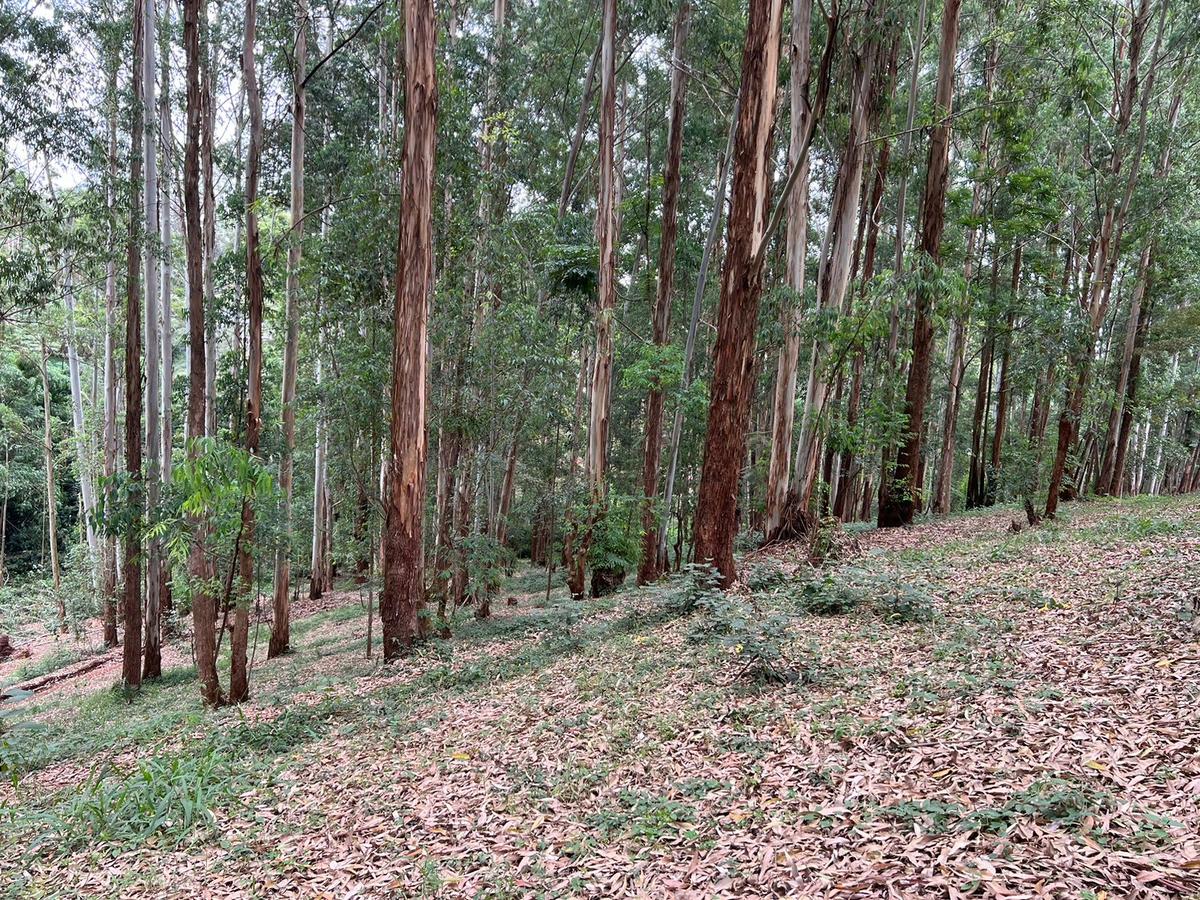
1038	738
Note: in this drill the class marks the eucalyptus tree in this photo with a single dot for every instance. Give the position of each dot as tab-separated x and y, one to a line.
898	506
131	591
741	289
200	572
651	564
239	675
152	261
596	459
280	619
403	595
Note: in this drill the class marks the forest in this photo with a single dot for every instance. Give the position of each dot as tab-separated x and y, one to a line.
649	448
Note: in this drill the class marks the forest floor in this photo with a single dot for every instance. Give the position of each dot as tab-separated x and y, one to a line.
986	715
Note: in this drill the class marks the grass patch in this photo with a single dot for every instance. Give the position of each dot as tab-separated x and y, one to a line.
58	658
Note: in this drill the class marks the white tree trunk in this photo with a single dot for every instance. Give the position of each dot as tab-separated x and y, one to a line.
86	488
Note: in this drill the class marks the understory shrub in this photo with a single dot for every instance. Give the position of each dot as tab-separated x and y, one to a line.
764	575
903	602
755	640
682	594
829	595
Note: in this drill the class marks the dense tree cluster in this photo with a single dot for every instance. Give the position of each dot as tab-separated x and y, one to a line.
399	292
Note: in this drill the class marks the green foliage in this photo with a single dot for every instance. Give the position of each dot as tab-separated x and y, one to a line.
828	595
643	817
655	364
904	602
10	757
754	640
1054	801
616	536
764	576
573	268
682	594
1057	801
206	500
933	816
487	561
165	797
1137	527
51	662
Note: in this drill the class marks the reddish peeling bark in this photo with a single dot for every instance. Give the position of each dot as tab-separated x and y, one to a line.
403	596
131	591
741	291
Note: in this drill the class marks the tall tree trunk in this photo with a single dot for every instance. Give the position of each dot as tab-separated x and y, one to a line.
86	489
1003	389
51	492
959	330
917	41
784	400
1107	239
131	591
905	486
152	667
581	121
449	449
844	500
606	226
281	614
199	570
741	290
83	464
1157	472
1128	399
508	488
648	570
4	520
1120	416
321	557
166	336
977	476
714	232
108	588
403	594
239	674
1109	477
833	279
595	461
319	575
210	222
